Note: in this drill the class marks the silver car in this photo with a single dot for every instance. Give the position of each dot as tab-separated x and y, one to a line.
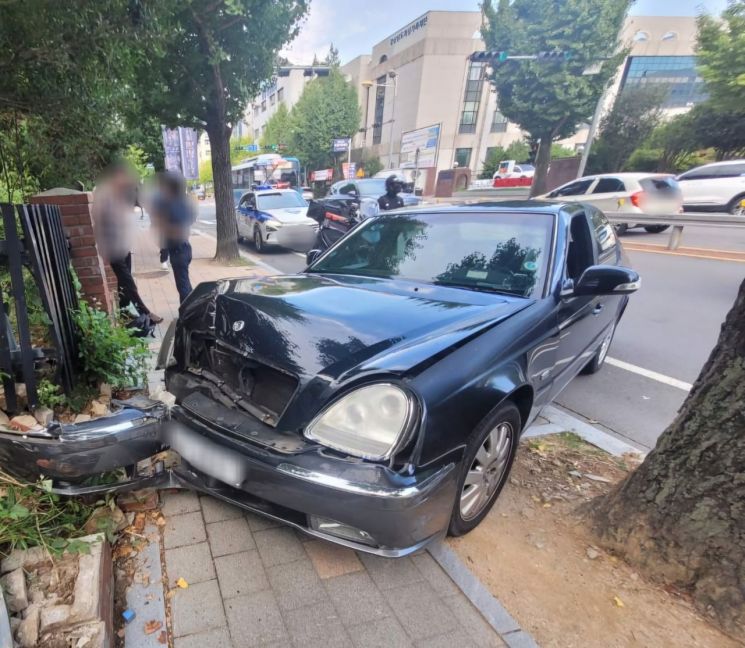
632	193
275	217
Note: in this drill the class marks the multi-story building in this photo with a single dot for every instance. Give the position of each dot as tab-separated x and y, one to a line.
421	76
285	88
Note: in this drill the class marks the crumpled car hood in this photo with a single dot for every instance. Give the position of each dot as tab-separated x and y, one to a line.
312	324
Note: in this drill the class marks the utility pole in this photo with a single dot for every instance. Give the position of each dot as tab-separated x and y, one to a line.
393	76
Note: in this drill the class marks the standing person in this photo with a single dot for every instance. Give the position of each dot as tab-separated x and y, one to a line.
390	199
113	205
175	215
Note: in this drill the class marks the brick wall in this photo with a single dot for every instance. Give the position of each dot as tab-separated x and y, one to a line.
98	282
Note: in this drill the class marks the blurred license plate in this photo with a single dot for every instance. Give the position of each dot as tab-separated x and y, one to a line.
206	456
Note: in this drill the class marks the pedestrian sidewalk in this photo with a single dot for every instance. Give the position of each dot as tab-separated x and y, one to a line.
256	583
157	287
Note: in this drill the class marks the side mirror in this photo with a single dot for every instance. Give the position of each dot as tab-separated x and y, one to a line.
312	255
607	280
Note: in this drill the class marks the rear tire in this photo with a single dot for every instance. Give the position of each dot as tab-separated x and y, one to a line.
735	207
486	465
656	229
598	360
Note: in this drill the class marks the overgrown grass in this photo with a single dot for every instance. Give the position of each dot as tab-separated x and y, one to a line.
33	516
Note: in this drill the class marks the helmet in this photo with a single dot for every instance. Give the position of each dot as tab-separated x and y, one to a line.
393	184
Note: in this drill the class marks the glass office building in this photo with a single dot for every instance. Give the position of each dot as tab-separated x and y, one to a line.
677	73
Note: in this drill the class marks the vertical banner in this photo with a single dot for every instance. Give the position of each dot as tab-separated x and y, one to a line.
189	161
172	148
349	169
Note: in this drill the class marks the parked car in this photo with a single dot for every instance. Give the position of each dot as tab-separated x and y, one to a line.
372	188
377	398
719	186
632	193
275	217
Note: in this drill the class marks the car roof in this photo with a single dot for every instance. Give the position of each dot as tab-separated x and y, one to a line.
720	163
502	206
265	192
628	175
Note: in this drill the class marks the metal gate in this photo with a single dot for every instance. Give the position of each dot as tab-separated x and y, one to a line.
41	247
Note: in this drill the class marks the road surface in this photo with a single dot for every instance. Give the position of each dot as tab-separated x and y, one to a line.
666	334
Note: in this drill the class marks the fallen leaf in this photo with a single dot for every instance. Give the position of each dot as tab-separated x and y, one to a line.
153	626
170	593
547	505
160	521
162	638
181	582
120	633
617	602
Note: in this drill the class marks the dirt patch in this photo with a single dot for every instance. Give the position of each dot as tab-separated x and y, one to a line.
535	553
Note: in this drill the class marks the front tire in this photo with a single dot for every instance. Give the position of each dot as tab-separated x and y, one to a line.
486	464
655	229
258	241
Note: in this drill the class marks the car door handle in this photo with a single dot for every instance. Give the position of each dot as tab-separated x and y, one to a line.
597	309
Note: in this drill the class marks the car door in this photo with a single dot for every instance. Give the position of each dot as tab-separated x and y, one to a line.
606	194
245	215
698	186
581	319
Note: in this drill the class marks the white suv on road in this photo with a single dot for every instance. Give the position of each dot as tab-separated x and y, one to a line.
718	186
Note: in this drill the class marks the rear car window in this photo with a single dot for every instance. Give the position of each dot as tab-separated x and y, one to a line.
608	185
660	185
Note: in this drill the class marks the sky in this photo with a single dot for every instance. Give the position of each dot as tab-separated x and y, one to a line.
354	26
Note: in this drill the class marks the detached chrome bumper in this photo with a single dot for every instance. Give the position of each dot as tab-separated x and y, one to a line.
354	503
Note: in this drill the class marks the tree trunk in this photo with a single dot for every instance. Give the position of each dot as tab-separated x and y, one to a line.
542	160
681	515
227	228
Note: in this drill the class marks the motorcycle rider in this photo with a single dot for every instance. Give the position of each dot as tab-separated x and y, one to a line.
390	199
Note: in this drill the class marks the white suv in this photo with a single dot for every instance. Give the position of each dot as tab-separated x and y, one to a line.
719	186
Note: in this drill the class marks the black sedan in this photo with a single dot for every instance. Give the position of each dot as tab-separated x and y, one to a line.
377	398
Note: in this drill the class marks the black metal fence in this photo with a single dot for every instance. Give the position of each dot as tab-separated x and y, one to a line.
40	247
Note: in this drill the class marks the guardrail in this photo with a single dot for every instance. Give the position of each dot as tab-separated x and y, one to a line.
678	222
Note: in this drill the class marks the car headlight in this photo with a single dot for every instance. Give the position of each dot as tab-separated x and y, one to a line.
369	422
273	225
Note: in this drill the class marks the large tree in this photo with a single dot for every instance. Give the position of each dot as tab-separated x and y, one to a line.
680	516
550	99
721	57
635	114
213	56
65	73
327	109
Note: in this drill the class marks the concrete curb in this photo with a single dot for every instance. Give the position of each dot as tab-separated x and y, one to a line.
481	598
560	421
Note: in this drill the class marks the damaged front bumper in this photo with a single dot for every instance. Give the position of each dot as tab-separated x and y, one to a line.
358	504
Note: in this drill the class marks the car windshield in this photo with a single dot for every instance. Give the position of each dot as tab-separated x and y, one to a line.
372	187
280	200
490	252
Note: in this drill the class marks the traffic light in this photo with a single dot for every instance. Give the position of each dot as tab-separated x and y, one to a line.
554	55
489	56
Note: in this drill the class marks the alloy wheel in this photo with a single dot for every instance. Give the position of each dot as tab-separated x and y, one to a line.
604	346
258	241
486	471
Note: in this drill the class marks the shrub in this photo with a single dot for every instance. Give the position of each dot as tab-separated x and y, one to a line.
109	352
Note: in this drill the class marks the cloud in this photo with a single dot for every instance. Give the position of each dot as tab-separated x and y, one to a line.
315	35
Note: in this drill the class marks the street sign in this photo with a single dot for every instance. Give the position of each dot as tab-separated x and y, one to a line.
172	149
322	175
340	144
253	148
425	142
